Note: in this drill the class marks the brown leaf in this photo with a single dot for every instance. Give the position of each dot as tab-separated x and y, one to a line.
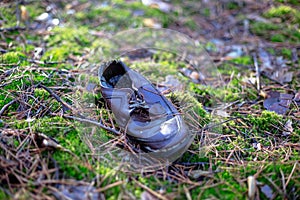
151	23
278	102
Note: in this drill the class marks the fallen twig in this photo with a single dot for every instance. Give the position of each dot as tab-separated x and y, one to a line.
6	106
45	62
64	104
90	121
110	186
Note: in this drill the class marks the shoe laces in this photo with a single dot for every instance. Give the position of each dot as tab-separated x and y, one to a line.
137	101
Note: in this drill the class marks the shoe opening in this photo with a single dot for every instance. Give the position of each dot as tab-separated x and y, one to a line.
116	76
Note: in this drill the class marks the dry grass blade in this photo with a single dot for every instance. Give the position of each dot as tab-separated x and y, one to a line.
110	186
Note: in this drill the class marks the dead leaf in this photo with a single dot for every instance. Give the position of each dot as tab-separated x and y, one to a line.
274	67
195	76
278	102
24	13
151	23
263	94
265	59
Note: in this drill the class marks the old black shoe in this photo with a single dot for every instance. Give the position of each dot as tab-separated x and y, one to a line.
147	117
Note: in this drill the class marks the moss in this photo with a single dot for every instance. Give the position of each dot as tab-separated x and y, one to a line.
260	28
72	167
284	12
191	24
243	60
287	53
66	41
4	195
228	188
4	99
58	53
119	16
163	64
293	2
267	121
17	58
278	38
229	93
276	32
8	17
232	5
206	12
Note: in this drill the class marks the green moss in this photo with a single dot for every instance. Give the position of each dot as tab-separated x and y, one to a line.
17	58
276	32
229	188
163	64
72	167
267	121
284	12
7	16
243	60
120	16
66	41
58	53
286	52
231	92
293	2
278	38
191	24
206	12
232	5
4	195
68	137
260	28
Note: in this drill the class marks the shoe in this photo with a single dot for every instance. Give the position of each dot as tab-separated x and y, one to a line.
148	118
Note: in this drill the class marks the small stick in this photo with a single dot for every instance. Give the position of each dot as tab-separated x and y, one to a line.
64	104
110	186
290	176
257	72
93	123
45	62
6	106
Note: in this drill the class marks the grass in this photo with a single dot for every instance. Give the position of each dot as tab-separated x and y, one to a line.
248	143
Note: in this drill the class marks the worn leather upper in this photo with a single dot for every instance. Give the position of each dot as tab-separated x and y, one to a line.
142	111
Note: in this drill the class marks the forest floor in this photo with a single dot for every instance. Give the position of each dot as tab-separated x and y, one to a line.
247	135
